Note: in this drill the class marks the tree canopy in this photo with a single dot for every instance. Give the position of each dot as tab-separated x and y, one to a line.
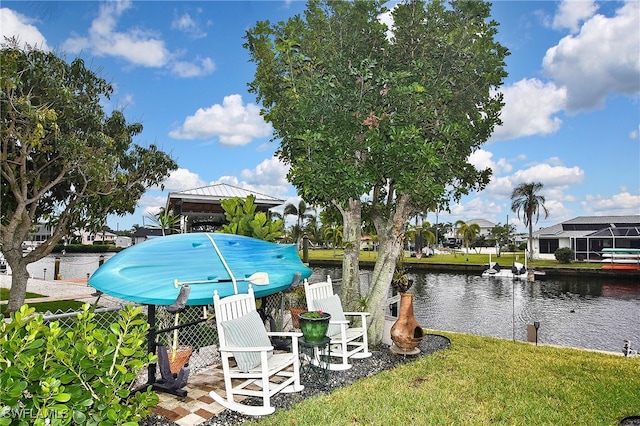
65	161
388	115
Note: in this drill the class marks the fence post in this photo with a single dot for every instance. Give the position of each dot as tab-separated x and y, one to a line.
305	248
56	269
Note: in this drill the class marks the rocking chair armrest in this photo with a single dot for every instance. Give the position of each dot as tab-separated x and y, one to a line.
284	334
338	322
245	348
362	314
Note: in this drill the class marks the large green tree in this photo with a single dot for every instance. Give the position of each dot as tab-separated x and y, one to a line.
525	198
386	117
65	161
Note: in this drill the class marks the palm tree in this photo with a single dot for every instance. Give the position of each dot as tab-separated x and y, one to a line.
334	234
165	220
524	197
468	233
301	213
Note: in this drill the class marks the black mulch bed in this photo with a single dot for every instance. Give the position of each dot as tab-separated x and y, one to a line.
382	359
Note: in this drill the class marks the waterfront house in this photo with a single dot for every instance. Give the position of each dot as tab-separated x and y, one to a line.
587	236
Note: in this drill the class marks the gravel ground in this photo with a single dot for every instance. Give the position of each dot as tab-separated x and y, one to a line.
382	359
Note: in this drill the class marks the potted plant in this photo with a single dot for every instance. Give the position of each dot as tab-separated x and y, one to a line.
296	303
314	325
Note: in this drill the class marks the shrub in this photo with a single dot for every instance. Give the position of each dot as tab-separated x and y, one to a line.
564	255
80	375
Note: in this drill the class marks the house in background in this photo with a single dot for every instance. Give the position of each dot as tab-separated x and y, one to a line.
144	234
587	236
101	237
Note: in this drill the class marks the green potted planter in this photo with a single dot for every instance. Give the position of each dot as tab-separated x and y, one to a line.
314	325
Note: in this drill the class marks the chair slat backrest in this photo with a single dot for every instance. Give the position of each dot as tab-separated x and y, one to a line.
232	307
318	291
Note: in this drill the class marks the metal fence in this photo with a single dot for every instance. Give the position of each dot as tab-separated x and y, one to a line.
194	327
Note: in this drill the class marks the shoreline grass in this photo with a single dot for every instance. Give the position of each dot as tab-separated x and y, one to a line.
459	257
484	381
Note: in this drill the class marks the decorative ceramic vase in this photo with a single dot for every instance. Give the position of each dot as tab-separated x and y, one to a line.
182	356
314	329
406	333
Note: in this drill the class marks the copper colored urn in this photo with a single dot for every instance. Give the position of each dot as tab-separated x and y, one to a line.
406	333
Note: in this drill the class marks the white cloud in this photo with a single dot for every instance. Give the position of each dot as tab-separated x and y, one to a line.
603	58
198	68
623	203
529	109
271	171
137	46
187	24
549	175
572	12
14	24
555	178
232	122
183	179
482	159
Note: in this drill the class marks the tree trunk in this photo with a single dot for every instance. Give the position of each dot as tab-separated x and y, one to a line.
530	248
19	277
351	235
391	236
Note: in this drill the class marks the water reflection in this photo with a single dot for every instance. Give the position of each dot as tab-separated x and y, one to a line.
586	313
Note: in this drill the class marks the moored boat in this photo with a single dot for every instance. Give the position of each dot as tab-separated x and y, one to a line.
517	271
152	272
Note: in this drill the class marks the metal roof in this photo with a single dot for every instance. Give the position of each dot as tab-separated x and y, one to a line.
603	220
590	225
222	191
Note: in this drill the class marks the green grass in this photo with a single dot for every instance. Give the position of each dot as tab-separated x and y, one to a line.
458	257
484	381
4	294
63	305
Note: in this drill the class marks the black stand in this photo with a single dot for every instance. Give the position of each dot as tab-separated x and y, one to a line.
315	359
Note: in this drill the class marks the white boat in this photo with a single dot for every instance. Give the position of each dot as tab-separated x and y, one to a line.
517	271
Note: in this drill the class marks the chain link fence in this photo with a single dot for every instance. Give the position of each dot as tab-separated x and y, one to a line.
194	329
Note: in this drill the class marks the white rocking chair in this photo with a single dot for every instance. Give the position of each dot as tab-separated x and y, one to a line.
346	341
258	371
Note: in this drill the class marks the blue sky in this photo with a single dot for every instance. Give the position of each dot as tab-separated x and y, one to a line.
571	119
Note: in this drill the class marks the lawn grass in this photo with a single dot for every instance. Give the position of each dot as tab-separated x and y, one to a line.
63	305
484	381
459	258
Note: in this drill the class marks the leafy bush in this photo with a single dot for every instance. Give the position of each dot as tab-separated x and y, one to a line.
564	255
83	375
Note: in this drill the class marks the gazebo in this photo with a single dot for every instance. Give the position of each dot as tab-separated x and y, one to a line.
203	205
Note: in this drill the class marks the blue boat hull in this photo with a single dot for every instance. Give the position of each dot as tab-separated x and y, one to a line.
147	272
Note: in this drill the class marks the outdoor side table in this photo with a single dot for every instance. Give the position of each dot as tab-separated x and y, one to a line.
314	361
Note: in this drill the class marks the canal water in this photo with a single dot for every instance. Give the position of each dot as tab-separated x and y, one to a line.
575	312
